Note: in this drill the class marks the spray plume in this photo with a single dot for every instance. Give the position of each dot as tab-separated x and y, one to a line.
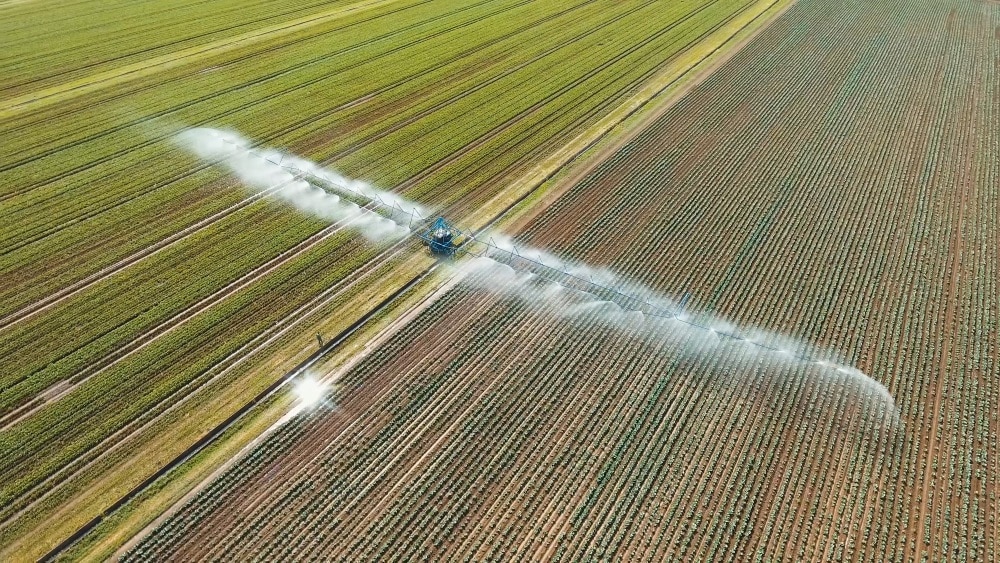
705	338
310	391
283	175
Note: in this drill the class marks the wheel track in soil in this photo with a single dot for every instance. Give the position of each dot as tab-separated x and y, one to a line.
109	444
163	328
101	275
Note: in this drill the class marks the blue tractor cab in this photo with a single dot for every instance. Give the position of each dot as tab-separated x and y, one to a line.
440	237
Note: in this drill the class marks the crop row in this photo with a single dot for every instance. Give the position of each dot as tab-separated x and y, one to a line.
109	161
881	182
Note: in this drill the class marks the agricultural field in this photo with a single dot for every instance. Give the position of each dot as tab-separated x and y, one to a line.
837	182
150	305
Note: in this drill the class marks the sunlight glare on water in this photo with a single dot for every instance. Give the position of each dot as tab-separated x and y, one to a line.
310	392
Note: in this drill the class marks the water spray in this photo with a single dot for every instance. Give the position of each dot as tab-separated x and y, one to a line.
494	260
310	391
284	177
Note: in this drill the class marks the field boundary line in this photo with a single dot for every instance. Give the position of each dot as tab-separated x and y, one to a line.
108	78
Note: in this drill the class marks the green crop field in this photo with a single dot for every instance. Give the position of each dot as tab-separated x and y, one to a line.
147	297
